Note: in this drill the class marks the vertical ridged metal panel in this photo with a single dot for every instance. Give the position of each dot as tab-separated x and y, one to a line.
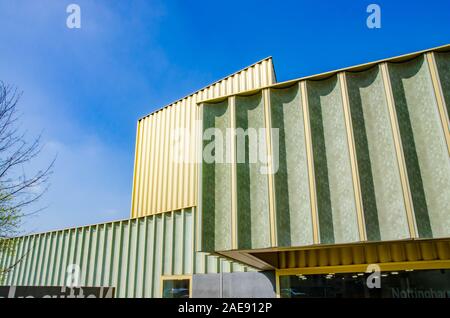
363	156
130	255
161	181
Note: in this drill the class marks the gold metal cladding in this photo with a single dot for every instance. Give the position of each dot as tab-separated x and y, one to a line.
234	238
153	170
157	152
185	170
399	151
198	222
361	268
192	164
166	160
270	176
137	155
353	159
439	97
277	287
159	183
170	186
144	170
310	160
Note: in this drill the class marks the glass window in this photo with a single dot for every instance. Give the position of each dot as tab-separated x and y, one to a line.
176	288
396	284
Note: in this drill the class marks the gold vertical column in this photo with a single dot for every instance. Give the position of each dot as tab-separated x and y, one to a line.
439	97
270	172
353	159
197	211
136	174
399	151
232	159
310	160
144	170
153	155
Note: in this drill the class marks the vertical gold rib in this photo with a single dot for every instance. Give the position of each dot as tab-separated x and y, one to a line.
183	165
197	217
439	97
186	146
156	188
166	160
277	285
270	176
353	159
145	170
153	168
171	162
197	144
192	150
163	160
178	166
232	143
399	150
137	152
142	149
310	159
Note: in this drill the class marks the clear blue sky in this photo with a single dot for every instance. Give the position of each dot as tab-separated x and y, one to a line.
86	88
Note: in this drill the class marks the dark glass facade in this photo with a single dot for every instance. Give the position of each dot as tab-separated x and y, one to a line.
401	284
176	288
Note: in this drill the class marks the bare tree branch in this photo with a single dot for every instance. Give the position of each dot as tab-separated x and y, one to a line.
17	190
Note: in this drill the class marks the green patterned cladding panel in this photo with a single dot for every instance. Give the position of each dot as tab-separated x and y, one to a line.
424	146
293	205
216	179
252	183
381	189
335	194
380	164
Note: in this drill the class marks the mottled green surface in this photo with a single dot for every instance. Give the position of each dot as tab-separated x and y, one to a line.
335	196
130	255
443	65
216	183
293	205
422	142
424	145
384	207
252	185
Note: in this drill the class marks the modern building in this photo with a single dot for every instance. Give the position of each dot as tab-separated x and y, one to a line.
330	185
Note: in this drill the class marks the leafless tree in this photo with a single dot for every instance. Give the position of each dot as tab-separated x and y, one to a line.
18	191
